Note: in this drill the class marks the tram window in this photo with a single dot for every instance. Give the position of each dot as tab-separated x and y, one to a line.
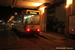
31	19
26	21
19	19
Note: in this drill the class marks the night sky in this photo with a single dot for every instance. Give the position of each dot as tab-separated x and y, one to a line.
7	12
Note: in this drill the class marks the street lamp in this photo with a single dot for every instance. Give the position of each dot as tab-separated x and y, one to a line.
15	13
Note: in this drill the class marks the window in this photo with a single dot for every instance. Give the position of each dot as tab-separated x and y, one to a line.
19	19
31	19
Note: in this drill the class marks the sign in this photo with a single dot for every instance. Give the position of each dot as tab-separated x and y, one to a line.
33	12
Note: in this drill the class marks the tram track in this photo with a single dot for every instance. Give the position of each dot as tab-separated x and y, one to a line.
36	44
46	39
42	38
40	45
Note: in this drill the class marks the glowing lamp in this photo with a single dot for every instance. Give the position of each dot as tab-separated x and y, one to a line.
42	9
38	30
27	29
72	29
15	13
68	2
37	4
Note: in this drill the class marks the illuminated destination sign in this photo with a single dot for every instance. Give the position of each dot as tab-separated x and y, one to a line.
33	12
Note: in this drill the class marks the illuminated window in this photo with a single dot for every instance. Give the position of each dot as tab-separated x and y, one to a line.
19	19
31	19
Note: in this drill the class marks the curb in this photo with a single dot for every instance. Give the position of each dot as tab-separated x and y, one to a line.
15	35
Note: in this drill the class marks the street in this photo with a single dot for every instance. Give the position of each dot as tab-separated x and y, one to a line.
14	40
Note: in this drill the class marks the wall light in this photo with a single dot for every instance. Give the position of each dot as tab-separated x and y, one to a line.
37	4
67	6
68	2
42	9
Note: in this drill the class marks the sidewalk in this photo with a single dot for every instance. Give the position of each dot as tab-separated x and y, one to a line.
59	38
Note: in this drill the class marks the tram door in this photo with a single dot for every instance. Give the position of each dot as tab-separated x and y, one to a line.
52	25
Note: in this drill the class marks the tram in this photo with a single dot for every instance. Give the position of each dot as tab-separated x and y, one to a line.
28	22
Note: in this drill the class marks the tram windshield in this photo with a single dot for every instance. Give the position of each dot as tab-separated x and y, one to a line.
31	19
